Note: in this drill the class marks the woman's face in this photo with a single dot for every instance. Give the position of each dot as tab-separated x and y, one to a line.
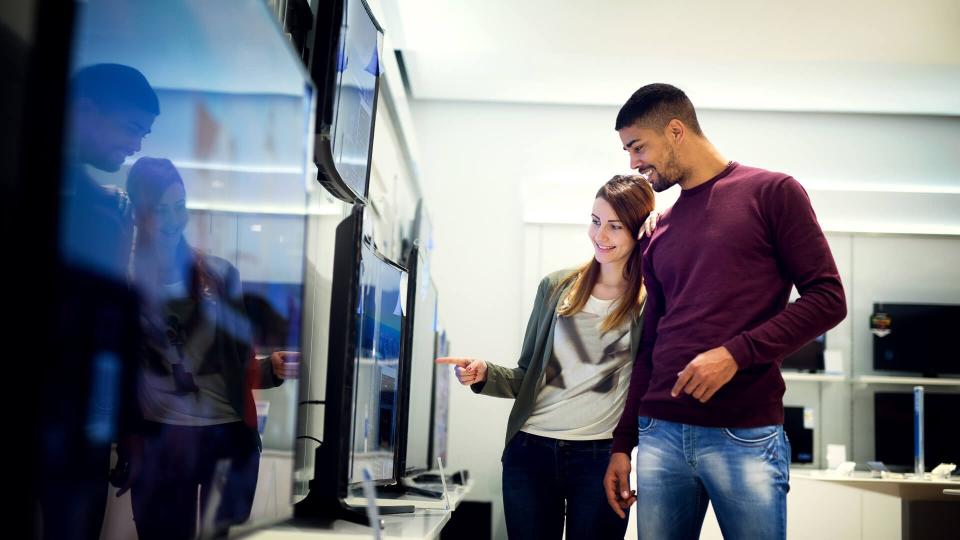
612	241
168	218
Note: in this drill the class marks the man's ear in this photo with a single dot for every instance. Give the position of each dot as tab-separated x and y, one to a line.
675	131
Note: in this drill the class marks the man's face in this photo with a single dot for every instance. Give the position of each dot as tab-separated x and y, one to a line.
105	137
652	154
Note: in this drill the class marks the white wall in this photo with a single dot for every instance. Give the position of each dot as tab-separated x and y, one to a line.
489	169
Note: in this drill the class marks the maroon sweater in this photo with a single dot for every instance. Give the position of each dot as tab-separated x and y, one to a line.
718	271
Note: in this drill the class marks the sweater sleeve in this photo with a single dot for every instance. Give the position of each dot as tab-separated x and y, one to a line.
625	434
805	257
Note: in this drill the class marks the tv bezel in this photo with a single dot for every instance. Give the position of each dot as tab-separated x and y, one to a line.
415	258
326	41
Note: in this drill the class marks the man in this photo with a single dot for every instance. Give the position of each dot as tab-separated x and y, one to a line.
88	377
705	405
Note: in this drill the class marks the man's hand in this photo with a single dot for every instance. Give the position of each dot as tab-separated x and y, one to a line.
468	370
616	483
649	225
706	374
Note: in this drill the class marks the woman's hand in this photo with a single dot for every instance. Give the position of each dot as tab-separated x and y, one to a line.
286	364
649	225
468	370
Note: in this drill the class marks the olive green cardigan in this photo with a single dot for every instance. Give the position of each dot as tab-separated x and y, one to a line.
522	382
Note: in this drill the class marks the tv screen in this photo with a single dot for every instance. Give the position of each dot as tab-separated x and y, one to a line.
893	429
916	338
346	69
422	229
795	423
421	367
379	321
807	358
441	402
274	311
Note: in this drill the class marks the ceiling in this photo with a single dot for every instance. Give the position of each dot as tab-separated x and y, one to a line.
885	56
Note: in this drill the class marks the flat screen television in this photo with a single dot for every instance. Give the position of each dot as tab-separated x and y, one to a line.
441	402
415	424
916	338
345	68
807	358
422	228
801	436
367	325
274	310
893	429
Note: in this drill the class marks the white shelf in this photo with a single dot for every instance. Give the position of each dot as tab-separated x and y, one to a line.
813	377
922	381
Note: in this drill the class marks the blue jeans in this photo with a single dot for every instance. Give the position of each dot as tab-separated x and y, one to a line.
744	472
545	478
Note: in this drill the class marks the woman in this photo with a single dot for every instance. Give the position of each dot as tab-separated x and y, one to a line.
572	377
197	372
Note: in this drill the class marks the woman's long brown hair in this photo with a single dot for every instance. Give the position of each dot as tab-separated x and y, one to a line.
148	179
632	199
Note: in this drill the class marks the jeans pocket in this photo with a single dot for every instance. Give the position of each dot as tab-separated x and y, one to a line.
752	436
645	423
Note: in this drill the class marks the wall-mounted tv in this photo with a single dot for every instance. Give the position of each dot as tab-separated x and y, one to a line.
893	429
807	358
345	68
916	338
367	325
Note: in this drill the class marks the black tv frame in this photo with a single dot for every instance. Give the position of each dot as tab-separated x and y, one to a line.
926	366
330	484
323	70
414	266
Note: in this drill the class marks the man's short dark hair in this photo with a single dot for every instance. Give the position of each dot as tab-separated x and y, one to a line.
654	105
114	85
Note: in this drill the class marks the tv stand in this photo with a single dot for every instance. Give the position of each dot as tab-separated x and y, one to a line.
459	477
402	488
316	507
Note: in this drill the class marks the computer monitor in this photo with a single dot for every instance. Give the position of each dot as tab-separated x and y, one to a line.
346	69
807	358
893	429
915	338
795	423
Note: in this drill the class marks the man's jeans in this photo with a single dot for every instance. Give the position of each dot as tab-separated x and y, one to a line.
744	472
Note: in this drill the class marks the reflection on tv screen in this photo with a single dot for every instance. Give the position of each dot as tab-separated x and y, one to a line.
379	322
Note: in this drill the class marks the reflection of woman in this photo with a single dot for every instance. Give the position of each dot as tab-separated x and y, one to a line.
572	378
197	374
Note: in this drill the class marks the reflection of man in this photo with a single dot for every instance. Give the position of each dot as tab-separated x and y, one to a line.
111	110
87	390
